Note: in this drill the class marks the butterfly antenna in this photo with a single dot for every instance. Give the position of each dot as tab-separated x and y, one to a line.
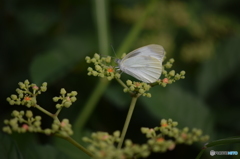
114	51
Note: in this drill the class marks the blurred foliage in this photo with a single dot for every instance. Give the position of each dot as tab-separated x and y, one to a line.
48	40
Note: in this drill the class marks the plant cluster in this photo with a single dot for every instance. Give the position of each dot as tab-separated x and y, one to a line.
102	145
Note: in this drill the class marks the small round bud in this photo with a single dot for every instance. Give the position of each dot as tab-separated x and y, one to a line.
116	134
21	85
94	73
174	123
73	99
117	75
22	112
43	88
87	58
89	69
12	102
171	60
177	77
125	90
141	91
165	80
15	113
65	121
20	95
182	73
55	127
128	142
67	104
7	129
132	88
37	123
14	97
148	95
47	131
26	82
29	114
168	65
172	73
108	59
129	82
44	84
74	93
93	60
146	87
186	129
34	87
164	84
144	130
163	121
63	91
58	106
55	99
9	99
38	117
96	56
98	68
6	121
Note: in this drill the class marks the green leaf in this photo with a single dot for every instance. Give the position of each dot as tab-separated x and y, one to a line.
231	140
218	69
57	61
180	105
8	148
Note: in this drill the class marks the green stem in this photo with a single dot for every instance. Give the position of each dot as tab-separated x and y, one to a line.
72	141
44	110
132	36
127	121
58	111
102	26
121	82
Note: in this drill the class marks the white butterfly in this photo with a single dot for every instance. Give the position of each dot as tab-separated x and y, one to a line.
144	63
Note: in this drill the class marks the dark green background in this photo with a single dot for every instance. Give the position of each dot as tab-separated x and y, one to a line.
47	41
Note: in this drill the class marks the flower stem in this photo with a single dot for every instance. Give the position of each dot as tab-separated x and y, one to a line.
44	110
127	121
121	82
72	141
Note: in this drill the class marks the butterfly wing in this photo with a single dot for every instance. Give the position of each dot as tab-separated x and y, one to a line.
144	63
153	50
145	68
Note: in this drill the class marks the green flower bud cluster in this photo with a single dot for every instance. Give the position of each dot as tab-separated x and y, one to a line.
170	76
157	136
102	67
22	122
64	128
26	94
138	87
160	139
66	99
25	122
103	146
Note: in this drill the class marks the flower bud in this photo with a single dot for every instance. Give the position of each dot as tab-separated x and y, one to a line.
74	93
29	114
63	91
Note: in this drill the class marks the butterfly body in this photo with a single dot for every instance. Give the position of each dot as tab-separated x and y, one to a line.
144	63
